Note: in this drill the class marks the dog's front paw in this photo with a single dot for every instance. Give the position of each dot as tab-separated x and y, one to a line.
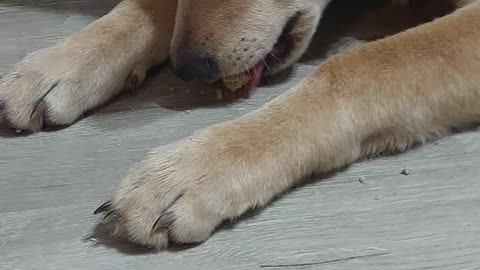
182	192
57	85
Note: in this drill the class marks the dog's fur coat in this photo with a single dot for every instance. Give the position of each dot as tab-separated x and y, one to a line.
387	95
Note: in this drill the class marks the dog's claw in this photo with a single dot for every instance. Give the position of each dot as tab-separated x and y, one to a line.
102	208
108	214
163	222
37	117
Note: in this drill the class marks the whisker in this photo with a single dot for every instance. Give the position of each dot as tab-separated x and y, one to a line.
275	58
266	65
248	71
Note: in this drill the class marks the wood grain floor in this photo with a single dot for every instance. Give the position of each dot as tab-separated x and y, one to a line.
51	182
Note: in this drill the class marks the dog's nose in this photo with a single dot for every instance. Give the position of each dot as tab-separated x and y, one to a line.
189	65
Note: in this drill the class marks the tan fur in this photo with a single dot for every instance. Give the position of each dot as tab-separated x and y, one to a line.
385	96
90	67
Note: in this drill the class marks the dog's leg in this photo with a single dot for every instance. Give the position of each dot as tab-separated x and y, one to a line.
387	95
86	69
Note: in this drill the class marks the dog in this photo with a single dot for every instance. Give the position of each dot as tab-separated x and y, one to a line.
386	95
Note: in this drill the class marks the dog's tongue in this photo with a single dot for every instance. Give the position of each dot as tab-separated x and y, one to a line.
255	76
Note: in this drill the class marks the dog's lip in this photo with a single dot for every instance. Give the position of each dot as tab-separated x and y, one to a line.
284	45
280	51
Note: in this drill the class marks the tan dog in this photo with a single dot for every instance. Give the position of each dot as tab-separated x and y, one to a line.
384	96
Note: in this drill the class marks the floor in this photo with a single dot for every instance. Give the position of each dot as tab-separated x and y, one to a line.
370	216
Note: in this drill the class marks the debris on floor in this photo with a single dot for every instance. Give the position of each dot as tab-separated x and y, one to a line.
362	180
406	172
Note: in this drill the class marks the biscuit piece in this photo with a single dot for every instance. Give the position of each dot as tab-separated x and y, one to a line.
235	82
219	93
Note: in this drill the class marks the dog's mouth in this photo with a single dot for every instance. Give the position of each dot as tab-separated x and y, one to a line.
275	58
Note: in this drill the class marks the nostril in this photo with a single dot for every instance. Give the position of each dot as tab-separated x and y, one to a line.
191	66
212	66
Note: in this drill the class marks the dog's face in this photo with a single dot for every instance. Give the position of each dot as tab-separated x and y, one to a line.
219	38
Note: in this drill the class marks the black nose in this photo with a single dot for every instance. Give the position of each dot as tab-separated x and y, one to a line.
189	65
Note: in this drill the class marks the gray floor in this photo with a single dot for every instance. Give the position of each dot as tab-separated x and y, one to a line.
50	182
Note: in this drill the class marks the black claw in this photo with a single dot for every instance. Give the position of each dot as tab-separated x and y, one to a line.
163	222
108	214
2	106
40	111
38	116
103	208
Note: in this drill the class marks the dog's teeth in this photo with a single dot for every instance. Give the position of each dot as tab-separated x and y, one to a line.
18	131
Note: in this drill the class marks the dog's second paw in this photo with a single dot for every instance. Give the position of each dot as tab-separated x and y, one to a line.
55	86
182	192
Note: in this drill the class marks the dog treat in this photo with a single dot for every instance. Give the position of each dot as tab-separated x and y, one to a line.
219	92
235	82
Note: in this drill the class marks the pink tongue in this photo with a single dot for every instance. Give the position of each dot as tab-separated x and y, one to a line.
255	76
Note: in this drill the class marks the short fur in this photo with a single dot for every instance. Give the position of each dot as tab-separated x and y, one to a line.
408	88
